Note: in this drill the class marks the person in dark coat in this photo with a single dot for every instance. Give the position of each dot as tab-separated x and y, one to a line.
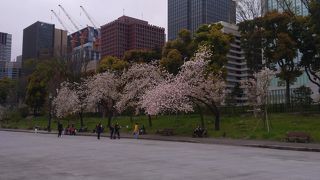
60	129
99	130
117	131
111	128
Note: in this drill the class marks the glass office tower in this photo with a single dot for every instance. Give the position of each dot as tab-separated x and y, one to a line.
190	14
5	46
296	5
38	41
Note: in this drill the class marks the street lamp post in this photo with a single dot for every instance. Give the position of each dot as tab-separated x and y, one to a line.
50	115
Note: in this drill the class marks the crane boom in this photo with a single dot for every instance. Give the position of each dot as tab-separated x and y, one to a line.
69	17
89	17
60	21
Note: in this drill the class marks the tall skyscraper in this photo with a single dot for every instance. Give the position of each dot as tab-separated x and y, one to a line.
191	14
38	41
42	40
296	5
127	33
5	46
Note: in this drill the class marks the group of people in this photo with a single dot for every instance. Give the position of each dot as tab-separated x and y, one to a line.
114	130
199	132
69	130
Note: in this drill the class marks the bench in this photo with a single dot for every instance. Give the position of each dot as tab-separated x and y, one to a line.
301	137
84	129
165	132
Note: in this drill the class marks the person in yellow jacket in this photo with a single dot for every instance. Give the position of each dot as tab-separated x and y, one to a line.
136	131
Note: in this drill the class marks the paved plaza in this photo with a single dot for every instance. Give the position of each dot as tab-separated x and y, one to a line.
45	157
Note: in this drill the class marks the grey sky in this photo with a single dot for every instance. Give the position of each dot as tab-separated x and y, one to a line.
15	15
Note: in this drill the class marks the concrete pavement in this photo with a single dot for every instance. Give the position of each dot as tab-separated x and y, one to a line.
312	147
44	156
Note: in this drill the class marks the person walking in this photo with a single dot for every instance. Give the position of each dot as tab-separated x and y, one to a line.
117	131
136	131
99	130
111	128
60	129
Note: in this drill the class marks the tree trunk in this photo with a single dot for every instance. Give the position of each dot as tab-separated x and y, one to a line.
110	115
266	118
217	122
217	119
35	112
215	110
201	116
288	94
81	119
103	113
149	119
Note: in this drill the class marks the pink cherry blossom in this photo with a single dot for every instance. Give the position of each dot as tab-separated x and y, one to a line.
136	81
193	83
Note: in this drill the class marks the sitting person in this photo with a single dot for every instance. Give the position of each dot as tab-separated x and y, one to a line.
72	130
142	130
199	132
67	130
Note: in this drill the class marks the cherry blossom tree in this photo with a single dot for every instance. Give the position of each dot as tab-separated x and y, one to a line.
194	84
66	102
103	89
71	99
81	92
167	97
136	81
257	89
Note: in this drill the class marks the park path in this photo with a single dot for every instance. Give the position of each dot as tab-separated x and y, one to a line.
44	156
281	145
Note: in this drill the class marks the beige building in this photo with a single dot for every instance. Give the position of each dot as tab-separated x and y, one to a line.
60	43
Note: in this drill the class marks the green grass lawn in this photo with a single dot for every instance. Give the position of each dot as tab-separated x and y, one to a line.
241	126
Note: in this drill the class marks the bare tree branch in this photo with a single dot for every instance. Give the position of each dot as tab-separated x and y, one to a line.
313	80
307	3
248	9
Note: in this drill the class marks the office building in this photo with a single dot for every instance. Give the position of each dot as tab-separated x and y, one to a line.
41	40
5	46
84	49
60	43
127	33
236	66
38	41
296	6
277	89
10	70
85	44
19	59
191	14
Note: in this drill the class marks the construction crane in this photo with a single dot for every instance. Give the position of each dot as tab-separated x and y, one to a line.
89	17
60	21
69	17
97	38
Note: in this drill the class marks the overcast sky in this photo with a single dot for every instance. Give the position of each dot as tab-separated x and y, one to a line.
15	15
